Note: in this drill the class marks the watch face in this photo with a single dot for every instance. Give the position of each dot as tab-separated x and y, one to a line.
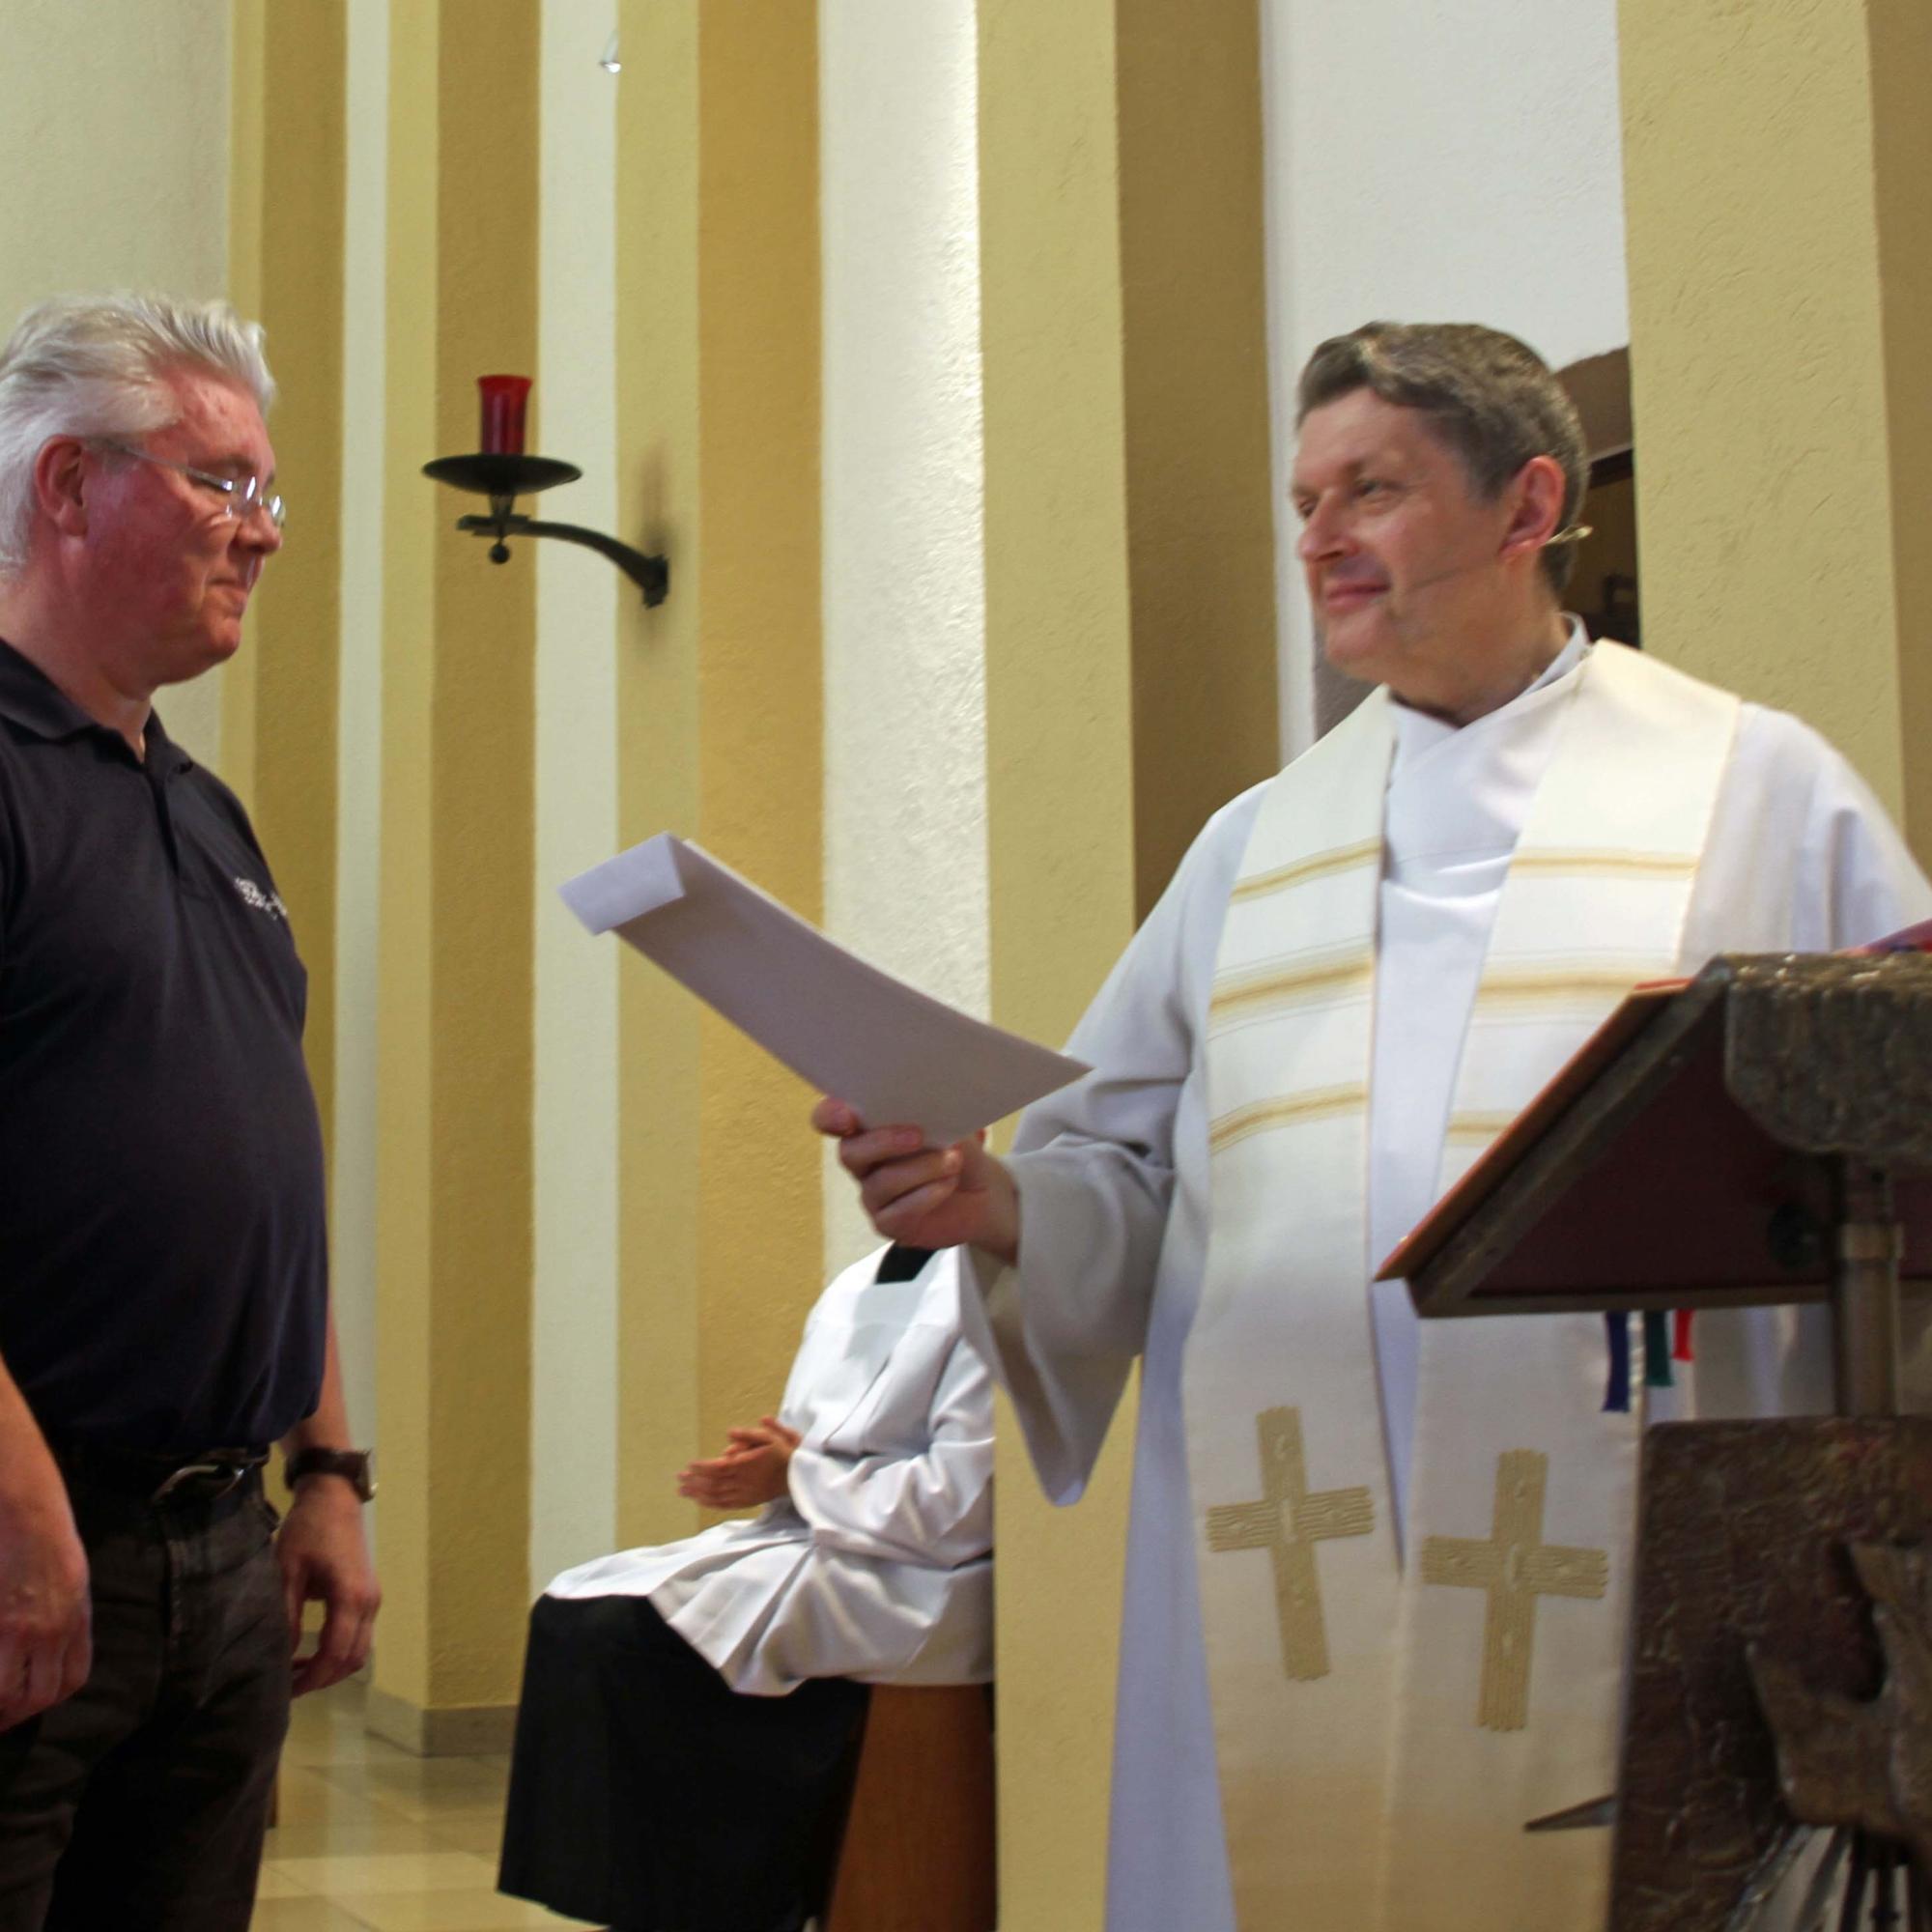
355	1465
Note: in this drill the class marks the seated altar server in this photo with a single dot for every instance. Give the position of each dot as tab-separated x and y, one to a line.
1378	1570
691	1713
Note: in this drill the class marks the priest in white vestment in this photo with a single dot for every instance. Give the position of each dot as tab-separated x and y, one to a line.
692	1712
1378	1575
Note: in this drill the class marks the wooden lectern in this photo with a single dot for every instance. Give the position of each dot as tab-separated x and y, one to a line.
1761	1134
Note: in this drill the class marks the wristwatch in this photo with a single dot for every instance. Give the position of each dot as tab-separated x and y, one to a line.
357	1466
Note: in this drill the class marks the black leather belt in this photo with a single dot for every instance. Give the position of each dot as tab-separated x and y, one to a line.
166	1476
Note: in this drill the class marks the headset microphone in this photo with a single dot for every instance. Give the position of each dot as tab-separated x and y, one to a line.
1573	533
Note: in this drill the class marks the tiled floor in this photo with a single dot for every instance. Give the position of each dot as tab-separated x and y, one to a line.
372	1839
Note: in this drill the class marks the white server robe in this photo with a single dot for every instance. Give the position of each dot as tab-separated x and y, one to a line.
878	1564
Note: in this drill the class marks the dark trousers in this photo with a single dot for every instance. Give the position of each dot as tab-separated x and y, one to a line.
647	1794
139	1804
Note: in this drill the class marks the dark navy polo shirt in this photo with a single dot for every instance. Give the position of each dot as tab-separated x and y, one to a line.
162	1257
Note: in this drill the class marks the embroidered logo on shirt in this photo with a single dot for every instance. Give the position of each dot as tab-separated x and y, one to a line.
268	902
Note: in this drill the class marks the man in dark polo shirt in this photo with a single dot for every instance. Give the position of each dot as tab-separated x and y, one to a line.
163	1293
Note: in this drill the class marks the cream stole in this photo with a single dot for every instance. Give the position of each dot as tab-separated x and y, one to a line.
1383	1736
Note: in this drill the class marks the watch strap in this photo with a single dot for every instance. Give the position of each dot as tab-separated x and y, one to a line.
357	1466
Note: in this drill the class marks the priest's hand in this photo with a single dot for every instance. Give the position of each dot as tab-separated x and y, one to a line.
924	1196
752	1470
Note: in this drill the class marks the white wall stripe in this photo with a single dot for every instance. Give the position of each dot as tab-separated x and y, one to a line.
905	733
574	1313
359	791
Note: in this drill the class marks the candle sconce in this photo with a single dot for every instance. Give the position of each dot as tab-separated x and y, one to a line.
503	478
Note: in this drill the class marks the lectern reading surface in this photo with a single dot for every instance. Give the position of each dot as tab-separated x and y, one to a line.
1637	1178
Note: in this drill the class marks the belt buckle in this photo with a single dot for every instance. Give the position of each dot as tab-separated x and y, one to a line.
236	1473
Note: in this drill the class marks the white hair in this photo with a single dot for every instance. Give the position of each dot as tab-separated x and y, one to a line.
96	366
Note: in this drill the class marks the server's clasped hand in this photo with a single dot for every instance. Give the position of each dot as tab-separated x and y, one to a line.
750	1472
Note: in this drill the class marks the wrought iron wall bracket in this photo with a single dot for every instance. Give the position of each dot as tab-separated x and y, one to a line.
650	573
504	478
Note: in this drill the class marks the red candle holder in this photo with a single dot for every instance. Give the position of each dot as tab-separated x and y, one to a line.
501	471
504	401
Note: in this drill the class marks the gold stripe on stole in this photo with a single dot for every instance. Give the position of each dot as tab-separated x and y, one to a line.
1272	987
1259	1117
1477	1130
1341	859
1580	862
1504	987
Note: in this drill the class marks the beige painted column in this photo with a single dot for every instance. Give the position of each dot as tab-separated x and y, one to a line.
719	701
1194	340
1129	673
453	1207
1059	754
278	711
1776	157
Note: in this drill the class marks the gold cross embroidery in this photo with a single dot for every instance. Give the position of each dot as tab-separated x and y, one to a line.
1288	1523
1516	1567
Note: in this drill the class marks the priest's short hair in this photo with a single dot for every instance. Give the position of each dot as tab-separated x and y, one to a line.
1489	397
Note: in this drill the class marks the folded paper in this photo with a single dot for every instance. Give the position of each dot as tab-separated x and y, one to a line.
897	1056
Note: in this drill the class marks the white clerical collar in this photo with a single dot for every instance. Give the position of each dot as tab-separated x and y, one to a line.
1460	792
1417	731
1576	647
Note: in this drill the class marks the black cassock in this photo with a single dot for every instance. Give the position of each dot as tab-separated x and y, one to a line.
648	1796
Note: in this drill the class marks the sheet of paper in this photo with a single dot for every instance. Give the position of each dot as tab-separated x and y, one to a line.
848	1029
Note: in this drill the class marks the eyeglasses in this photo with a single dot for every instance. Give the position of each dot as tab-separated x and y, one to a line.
241	496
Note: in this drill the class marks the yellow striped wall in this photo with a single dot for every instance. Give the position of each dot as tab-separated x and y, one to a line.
1901	82
577	1158
904	490
1781	318
118	177
1060	832
455	1025
1131	654
659	500
353	1166
278	725
1195	382
718	700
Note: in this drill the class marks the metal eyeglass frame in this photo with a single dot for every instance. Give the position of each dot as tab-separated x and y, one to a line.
242	495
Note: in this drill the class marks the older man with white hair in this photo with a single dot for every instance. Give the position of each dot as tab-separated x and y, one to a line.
164	1301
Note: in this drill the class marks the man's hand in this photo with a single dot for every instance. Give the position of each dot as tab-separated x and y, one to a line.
325	1558
923	1196
46	1643
750	1471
